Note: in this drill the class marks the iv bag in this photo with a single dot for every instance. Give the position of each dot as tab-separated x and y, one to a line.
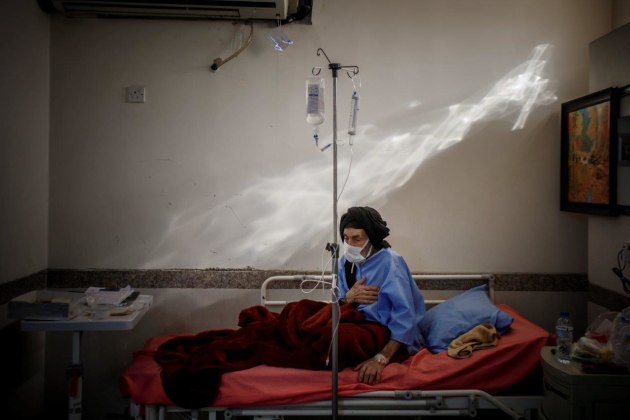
315	101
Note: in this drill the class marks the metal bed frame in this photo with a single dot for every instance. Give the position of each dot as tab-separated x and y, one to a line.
410	403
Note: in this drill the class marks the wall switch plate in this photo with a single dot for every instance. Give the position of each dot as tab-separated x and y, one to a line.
136	94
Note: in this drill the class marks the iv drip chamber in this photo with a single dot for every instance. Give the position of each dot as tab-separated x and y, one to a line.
354	111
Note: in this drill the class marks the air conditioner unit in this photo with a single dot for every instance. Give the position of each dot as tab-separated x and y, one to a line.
178	9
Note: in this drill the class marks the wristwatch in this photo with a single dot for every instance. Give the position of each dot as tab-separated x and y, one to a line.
380	358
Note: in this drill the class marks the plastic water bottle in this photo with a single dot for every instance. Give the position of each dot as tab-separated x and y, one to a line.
564	338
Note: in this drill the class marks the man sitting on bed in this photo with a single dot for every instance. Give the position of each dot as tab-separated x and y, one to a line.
377	279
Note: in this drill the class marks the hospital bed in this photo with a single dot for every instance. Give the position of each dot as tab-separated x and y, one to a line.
426	384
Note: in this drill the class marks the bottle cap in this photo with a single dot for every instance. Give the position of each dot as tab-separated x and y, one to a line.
564	313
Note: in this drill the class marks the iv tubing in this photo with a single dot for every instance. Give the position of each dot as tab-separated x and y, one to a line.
343	187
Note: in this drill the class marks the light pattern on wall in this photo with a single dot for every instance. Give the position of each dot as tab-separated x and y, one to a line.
270	221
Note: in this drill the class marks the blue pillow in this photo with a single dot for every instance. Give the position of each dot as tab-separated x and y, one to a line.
459	314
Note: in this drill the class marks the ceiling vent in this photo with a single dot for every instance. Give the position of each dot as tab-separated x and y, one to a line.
176	9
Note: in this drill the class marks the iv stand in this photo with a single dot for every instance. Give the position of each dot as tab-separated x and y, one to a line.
334	247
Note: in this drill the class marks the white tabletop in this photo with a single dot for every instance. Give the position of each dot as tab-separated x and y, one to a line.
84	322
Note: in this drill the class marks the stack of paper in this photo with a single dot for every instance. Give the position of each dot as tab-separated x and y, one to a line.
107	295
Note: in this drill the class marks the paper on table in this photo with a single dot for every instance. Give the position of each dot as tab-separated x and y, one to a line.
110	296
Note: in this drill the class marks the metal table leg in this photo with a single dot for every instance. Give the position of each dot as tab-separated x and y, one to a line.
75	379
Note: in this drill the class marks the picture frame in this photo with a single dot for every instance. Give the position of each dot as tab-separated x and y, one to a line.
588	179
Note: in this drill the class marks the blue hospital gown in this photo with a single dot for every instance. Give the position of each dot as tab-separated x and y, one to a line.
400	305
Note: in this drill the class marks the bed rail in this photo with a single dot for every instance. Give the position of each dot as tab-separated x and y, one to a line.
464	402
412	403
265	301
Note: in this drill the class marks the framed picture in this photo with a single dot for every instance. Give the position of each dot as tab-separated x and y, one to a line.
588	180
623	152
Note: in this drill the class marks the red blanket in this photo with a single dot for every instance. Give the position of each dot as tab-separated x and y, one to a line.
298	337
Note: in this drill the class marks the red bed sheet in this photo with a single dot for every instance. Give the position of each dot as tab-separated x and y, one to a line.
491	370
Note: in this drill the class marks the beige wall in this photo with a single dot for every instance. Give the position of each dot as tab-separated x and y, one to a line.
24	128
218	169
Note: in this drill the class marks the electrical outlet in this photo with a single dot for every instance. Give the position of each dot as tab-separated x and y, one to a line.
136	94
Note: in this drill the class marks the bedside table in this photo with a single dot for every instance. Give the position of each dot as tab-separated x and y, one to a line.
77	326
571	394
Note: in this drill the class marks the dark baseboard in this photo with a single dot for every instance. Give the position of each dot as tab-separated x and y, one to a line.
22	285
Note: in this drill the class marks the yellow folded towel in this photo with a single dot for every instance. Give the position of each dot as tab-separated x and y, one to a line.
479	337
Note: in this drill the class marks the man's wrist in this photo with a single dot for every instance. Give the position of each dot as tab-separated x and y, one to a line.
381	358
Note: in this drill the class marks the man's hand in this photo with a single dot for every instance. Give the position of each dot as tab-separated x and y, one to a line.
362	294
370	371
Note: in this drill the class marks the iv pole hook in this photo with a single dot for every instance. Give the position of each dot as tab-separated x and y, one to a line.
321	51
354	72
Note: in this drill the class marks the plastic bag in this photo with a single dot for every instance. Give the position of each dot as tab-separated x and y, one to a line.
601	328
595	347
619	341
592	351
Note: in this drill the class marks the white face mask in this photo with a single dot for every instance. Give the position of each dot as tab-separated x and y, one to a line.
353	253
